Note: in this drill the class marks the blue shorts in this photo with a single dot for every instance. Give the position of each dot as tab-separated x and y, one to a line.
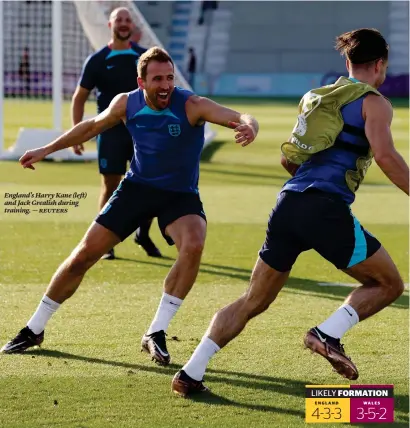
315	220
115	149
133	203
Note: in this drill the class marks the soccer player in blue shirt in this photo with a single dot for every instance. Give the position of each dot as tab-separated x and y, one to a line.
167	128
112	70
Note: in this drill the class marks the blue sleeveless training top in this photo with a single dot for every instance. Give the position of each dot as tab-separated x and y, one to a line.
167	148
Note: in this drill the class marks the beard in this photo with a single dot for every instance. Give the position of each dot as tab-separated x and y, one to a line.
122	37
157	103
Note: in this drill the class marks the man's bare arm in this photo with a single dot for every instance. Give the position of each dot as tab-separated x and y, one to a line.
201	109
88	129
78	101
80	133
378	114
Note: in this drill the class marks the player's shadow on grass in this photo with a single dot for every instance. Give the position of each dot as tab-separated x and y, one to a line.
293	285
242	380
242	174
215	399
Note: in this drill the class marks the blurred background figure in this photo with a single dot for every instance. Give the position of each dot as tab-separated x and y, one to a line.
206	6
191	67
234	57
24	72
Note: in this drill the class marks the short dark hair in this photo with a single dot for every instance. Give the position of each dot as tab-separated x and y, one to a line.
362	46
153	54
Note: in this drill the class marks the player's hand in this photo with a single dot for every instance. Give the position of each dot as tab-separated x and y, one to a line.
32	156
245	134
78	149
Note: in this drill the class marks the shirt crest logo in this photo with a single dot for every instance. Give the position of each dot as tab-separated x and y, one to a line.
174	130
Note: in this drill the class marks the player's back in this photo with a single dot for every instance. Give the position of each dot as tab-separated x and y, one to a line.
167	148
329	169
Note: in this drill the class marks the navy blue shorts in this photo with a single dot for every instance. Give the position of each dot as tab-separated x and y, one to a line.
133	203
115	149
315	220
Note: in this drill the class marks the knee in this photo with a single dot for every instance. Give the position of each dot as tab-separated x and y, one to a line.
394	287
397	288
192	245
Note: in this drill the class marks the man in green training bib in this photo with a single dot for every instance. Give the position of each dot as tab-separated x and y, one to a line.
340	128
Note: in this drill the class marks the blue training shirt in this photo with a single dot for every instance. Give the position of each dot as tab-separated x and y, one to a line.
112	72
167	148
326	170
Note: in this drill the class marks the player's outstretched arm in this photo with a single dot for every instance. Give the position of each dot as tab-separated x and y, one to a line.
378	114
201	109
80	133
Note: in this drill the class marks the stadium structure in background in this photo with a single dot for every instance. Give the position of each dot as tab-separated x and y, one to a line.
245	49
58	36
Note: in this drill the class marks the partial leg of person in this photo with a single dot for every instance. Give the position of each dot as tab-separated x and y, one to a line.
381	286
143	239
182	222
345	243
227	323
109	183
270	273
63	285
117	220
188	232
114	149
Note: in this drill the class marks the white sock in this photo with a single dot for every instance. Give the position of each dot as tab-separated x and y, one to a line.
339	322
45	309
168	307
196	365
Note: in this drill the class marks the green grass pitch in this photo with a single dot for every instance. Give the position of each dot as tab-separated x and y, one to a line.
90	372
